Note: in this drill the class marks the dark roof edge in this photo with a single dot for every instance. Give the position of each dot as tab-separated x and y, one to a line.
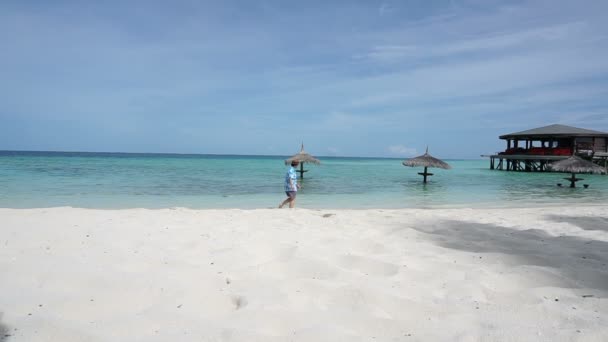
556	135
555	130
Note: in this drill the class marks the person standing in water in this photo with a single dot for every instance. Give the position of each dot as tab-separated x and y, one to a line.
291	185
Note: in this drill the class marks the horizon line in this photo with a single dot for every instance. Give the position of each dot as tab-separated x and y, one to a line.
213	154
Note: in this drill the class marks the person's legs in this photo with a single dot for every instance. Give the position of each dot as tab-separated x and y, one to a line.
290	198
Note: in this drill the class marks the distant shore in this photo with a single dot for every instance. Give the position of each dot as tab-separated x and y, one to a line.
304	275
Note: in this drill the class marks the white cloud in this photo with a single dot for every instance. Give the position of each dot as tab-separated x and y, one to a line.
333	151
402	150
389	53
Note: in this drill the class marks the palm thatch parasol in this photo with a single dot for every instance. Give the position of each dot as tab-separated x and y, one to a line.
427	161
302	157
576	165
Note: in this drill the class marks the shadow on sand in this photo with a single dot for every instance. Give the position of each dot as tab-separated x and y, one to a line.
582	262
4	331
586	223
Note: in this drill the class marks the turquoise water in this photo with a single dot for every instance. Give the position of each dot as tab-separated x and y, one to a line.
110	180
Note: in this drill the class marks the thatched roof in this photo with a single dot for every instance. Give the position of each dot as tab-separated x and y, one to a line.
302	157
426	160
576	164
555	131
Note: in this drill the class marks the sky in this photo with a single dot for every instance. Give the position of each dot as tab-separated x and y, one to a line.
346	78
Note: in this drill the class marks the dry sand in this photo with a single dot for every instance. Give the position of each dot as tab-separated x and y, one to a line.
304	275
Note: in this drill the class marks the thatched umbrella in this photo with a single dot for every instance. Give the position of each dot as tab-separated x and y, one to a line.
576	165
302	157
427	161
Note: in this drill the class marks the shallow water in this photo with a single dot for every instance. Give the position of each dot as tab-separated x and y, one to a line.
111	180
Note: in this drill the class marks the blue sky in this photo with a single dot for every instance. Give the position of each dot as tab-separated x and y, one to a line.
349	78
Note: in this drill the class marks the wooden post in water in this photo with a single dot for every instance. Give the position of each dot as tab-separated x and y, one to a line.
573	180
425	174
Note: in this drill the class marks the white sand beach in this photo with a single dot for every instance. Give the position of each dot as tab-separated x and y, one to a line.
536	274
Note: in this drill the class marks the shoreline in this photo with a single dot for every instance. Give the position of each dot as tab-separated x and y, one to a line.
305	274
472	206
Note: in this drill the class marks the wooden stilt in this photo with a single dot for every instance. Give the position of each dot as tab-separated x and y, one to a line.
425	174
573	180
301	170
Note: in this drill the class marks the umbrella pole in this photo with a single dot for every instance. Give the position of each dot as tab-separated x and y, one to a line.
425	174
573	181
302	170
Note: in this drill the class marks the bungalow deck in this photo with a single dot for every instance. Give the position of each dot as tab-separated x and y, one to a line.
535	149
524	162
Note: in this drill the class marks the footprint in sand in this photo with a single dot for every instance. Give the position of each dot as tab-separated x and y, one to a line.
367	265
239	302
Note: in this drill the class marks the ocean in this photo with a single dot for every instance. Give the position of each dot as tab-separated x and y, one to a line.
132	180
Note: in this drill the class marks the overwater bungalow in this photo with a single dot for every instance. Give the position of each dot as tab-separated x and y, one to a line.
532	150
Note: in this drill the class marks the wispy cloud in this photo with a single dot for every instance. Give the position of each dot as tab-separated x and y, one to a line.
401	150
333	151
535	38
